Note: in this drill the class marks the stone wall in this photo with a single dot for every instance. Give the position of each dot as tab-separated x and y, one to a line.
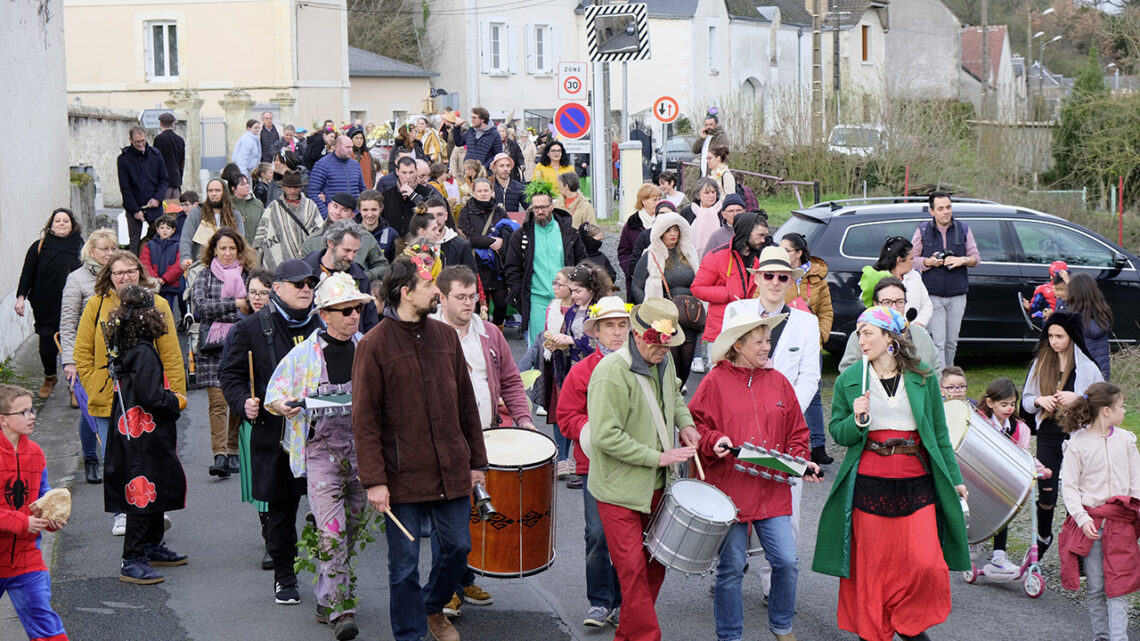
98	135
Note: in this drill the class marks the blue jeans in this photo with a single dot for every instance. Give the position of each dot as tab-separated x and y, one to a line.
408	602
780	549
562	442
91	449
602	587
814	418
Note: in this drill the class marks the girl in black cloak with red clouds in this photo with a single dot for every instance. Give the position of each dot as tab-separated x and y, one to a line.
143	477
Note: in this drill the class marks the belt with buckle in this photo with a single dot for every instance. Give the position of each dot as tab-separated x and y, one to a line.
894	446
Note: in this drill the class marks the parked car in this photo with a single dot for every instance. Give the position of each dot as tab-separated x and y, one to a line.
677	150
857	140
1016	246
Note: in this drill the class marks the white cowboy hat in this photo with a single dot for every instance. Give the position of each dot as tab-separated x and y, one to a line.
337	289
607	307
736	327
775	259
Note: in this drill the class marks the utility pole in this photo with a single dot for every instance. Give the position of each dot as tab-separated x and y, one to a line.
985	58
836	89
817	133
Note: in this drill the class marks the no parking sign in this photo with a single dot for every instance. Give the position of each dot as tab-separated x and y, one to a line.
572	121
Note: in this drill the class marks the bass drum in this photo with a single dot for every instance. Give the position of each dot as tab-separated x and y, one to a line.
998	474
518	538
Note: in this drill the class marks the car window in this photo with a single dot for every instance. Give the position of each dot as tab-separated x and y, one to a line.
1045	242
990	240
866	240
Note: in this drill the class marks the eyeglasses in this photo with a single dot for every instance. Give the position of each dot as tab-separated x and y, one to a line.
28	413
954	388
348	311
896	302
465	298
783	278
259	293
302	284
124	273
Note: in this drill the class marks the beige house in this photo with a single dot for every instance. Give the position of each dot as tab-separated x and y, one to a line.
288	55
384	88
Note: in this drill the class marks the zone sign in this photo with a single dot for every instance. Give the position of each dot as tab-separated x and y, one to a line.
573	80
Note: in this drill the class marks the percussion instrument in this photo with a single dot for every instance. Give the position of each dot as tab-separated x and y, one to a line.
689	528
998	474
517	538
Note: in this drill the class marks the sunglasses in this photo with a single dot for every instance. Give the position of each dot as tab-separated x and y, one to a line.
301	284
348	311
783	278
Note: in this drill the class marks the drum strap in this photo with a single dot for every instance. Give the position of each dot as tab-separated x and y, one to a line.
673	471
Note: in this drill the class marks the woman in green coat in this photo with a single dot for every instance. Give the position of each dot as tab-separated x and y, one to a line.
892	527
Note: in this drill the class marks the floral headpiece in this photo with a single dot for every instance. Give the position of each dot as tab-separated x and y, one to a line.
660	332
422	269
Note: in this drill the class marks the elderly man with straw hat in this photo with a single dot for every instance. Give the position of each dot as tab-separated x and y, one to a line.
635	406
320	441
743	399
795	343
608	324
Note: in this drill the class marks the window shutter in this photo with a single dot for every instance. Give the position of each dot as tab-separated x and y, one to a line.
148	52
512	50
484	46
531	50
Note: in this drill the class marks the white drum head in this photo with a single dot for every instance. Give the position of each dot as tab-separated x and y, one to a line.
585	441
957	420
517	447
704	500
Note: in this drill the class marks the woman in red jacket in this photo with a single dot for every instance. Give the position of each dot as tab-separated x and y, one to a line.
744	400
608	324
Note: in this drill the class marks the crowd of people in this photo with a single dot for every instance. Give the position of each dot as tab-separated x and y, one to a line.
420	263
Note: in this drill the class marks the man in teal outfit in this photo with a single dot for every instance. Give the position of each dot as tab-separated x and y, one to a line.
545	243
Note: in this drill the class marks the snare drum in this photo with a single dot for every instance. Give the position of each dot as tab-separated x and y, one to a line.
998	474
690	526
518	538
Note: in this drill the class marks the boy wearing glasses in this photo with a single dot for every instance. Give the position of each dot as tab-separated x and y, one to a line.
320	441
795	346
23	475
953	383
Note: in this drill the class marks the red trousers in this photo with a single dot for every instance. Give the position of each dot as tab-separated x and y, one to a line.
639	575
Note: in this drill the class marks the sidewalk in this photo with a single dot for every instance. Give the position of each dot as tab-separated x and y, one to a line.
57	434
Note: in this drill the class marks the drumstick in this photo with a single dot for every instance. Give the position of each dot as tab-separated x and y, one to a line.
395	520
252	393
700	470
863	382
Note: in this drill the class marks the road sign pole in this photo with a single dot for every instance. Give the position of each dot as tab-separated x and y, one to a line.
599	156
624	101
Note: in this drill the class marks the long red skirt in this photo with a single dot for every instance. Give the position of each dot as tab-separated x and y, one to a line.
899	580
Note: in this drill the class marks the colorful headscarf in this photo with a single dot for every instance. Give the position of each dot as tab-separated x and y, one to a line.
884	318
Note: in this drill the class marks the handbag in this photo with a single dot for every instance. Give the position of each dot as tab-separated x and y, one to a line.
690	310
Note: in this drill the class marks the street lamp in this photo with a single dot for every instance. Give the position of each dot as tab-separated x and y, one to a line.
1029	38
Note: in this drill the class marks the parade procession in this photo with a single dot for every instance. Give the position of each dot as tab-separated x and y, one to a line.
568	320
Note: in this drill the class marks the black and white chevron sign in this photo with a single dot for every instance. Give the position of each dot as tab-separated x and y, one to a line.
617	32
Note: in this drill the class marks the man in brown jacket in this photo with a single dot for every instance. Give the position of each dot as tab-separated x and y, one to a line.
419	445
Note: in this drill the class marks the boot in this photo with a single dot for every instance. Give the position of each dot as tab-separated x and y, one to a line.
220	469
819	456
48	386
91	471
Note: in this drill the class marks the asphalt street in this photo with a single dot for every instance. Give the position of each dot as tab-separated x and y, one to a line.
222	594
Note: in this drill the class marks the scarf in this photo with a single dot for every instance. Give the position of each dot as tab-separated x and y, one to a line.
483	206
232	287
92	266
706	220
646	218
294	318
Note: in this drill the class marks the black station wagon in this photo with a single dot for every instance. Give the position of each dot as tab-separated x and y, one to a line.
1016	246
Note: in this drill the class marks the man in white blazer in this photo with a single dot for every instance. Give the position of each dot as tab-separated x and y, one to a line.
795	344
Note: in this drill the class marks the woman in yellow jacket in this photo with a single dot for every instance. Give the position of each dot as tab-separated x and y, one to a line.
554	161
123	269
811	294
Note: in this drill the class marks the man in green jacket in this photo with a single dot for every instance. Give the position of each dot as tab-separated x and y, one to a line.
634	405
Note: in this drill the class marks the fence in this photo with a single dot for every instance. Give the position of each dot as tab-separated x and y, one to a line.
1071	195
776	180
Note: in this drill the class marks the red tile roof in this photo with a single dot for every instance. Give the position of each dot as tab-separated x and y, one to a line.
972	50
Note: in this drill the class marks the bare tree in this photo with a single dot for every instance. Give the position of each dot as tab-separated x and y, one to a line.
393	28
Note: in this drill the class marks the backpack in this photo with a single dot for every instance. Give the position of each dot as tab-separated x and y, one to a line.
745	192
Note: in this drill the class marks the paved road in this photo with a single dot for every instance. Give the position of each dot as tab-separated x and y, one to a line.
222	594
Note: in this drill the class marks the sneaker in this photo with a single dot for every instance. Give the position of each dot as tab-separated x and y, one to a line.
345	627
540	411
698	365
163	556
575	482
1000	565
1043	546
476	595
440	628
286	594
596	616
614	617
565	468
139	572
323	613
119	527
453	606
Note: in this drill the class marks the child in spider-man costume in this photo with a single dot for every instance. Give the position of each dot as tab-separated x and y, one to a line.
23	478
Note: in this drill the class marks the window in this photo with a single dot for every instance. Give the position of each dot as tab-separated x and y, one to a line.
714	50
541	43
866	43
161	51
1044	243
866	240
498	52
541	39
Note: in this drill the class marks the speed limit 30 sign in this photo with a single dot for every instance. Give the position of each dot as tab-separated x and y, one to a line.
572	80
